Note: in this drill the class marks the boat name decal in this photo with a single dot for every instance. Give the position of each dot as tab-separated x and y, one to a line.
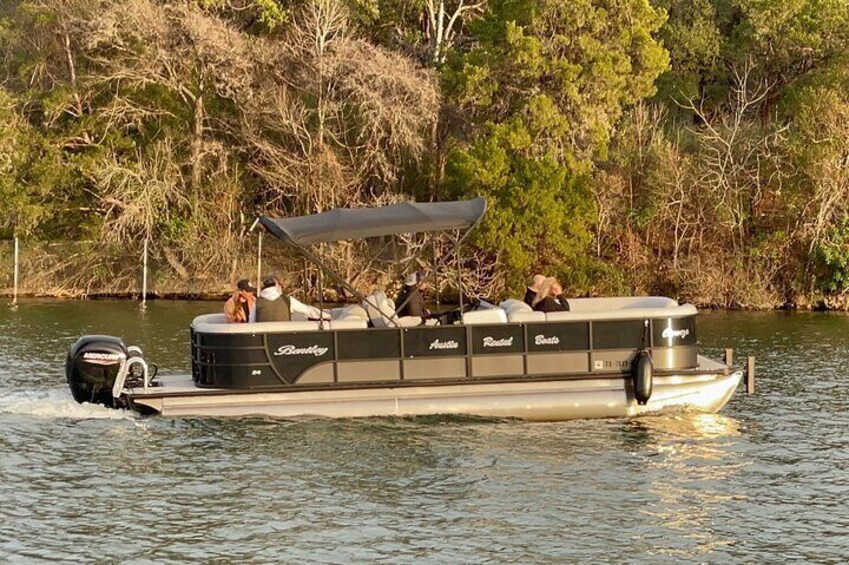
542	339
292	350
450	344
669	333
102	358
490	341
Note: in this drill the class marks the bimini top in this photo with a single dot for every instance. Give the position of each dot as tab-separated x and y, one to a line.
358	223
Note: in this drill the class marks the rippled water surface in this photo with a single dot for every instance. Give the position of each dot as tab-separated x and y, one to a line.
765	481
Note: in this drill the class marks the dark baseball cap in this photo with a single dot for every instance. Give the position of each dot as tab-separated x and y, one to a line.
245	286
270	281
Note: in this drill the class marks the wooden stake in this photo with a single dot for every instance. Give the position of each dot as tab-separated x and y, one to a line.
750	375
729	356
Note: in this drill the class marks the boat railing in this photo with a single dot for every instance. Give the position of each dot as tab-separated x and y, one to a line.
126	366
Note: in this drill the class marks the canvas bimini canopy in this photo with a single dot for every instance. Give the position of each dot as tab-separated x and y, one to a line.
343	224
358	223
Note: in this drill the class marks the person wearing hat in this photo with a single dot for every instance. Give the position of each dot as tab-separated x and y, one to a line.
550	297
412	294
274	306
271	304
531	292
240	306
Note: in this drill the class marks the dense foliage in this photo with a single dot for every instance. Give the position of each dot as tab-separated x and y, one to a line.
697	148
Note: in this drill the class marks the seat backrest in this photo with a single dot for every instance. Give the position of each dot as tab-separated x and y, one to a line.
610	304
384	305
347	324
350	312
512	305
525	316
491	316
204	326
205	319
409	321
631	313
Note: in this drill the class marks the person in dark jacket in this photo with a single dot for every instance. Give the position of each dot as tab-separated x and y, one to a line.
413	295
532	290
271	304
559	297
546	300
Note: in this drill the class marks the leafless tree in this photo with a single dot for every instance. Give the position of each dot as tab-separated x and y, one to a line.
737	158
443	22
336	116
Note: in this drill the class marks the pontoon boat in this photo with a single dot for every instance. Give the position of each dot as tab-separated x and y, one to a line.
606	357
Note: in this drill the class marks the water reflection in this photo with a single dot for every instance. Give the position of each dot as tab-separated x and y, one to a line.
684	424
690	467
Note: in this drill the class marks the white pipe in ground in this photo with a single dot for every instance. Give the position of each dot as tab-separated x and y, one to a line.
144	276
17	257
259	261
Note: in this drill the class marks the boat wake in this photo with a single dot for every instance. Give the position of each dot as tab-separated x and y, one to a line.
55	403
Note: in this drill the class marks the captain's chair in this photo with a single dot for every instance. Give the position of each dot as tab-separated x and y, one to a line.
387	308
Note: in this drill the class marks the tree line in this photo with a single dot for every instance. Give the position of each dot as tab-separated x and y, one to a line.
694	148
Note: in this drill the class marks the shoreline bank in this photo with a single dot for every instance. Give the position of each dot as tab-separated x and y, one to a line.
826	304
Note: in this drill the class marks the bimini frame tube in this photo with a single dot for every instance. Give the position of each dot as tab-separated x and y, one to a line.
310	256
442	261
313	258
460	276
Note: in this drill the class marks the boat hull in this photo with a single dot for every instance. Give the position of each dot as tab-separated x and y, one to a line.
551	400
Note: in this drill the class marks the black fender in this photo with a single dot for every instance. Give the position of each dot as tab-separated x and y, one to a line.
642	371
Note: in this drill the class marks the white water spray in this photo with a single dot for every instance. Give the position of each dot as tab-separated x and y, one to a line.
55	403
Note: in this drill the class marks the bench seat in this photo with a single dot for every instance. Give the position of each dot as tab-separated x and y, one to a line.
488	316
512	311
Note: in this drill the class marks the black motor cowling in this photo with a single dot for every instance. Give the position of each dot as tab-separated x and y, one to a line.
92	367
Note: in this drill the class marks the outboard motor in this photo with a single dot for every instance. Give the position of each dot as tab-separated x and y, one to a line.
96	363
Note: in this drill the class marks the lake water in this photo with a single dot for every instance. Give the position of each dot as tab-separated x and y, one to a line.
765	481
